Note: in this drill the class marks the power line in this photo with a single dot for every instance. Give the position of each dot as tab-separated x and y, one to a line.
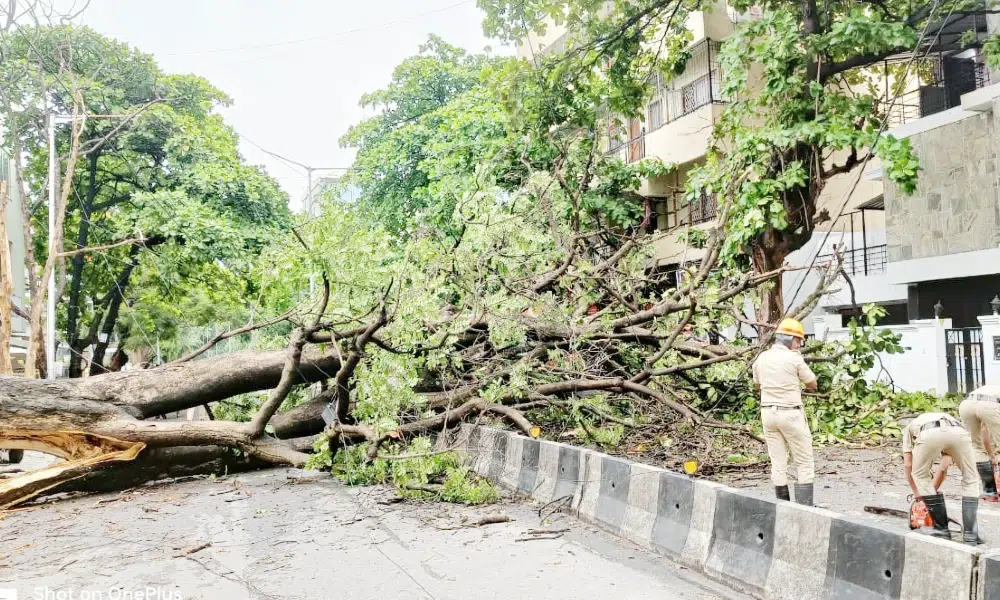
323	37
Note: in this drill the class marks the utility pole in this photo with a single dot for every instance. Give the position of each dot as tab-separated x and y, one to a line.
50	304
310	203
50	312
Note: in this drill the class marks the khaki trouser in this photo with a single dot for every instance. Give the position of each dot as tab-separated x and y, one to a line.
781	427
956	443
975	414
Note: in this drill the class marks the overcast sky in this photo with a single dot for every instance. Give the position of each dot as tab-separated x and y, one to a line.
294	68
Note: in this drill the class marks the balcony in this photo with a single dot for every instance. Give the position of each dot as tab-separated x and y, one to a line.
867	260
695	93
699	85
949	78
630	150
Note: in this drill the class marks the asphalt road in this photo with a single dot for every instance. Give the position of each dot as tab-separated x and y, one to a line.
288	534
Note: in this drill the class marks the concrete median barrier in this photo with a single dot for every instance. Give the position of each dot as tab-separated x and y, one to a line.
865	561
934	569
771	549
674	507
699	540
527	479
801	547
641	505
742	545
612	499
510	473
989	577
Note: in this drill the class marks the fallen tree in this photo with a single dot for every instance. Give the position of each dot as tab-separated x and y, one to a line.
531	294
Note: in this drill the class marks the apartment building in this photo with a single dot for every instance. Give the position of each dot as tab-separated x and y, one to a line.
15	242
932	259
323	187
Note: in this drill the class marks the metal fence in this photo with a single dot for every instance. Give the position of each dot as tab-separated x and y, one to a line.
949	79
868	260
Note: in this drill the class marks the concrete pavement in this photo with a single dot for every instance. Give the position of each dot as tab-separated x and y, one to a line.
286	534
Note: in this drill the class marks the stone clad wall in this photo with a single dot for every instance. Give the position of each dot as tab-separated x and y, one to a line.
955	206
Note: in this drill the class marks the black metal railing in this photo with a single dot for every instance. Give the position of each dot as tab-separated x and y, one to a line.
869	260
952	78
699	85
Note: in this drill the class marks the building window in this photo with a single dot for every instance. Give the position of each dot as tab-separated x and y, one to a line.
996	347
703	209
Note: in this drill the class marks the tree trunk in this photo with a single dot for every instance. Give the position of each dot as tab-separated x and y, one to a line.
111	318
76	274
37	339
96	421
770	254
6	288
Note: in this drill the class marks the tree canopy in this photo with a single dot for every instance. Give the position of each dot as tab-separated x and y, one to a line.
160	179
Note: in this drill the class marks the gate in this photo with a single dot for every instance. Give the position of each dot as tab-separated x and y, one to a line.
964	349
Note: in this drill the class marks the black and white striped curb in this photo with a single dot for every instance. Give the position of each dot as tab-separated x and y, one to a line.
771	549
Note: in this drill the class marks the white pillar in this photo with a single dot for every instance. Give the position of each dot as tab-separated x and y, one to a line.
941	354
991	346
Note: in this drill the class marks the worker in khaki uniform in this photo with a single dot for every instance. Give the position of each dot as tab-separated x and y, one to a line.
925	439
981	411
779	374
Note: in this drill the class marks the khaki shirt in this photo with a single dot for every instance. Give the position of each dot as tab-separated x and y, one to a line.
986	392
912	431
781	373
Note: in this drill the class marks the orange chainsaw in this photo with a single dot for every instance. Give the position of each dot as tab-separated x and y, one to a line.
919	515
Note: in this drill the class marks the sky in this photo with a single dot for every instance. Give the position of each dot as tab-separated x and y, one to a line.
294	68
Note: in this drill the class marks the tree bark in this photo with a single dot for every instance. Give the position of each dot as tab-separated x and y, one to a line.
6	288
170	388
111	318
76	274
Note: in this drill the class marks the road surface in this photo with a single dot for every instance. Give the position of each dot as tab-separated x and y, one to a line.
289	534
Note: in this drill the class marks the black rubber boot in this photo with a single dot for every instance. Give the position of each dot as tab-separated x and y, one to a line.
989	483
804	494
781	491
939	515
970	531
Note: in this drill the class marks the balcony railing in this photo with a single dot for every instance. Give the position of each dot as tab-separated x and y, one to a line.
869	260
699	85
952	78
631	150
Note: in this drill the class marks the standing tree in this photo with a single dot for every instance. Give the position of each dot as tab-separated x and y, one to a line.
160	180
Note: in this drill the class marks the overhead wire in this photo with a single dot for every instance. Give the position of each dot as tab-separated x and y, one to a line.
323	37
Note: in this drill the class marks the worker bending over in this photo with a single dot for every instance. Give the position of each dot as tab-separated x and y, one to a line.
779	374
925	439
981	411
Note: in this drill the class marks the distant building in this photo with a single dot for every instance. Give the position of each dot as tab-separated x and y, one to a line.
323	187
15	241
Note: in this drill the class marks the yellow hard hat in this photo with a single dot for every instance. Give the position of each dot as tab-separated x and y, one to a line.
791	327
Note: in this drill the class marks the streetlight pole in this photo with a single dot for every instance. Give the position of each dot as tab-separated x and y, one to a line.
50	312
309	195
50	304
